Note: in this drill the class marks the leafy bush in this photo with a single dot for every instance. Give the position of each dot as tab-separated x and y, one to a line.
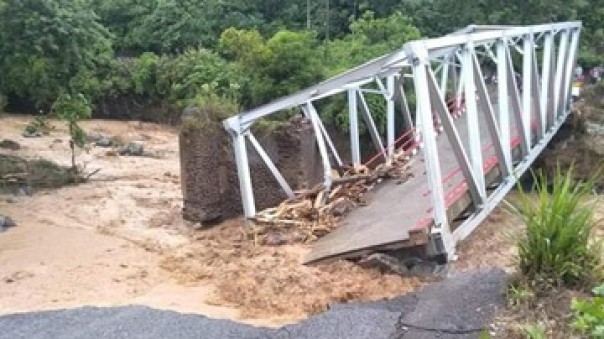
177	80
589	314
207	111
556	248
281	65
38	126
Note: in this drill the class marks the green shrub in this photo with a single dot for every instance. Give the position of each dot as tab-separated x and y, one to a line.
556	248
72	109
176	80
40	125
208	110
589	314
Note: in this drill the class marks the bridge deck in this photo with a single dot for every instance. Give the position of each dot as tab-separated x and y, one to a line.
399	215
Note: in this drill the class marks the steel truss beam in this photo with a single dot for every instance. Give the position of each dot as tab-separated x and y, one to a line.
518	117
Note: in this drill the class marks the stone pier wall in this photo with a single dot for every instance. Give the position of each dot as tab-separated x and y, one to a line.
210	184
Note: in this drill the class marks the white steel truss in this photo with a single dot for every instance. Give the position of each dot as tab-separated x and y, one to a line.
533	66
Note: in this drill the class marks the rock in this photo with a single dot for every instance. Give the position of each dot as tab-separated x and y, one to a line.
276	239
384	263
422	268
594	128
100	139
134	148
209	219
6	222
29	134
94	136
10	145
297	236
104	142
11	200
24	191
342	208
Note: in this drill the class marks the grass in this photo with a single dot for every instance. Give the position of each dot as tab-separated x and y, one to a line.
558	261
535	331
556	249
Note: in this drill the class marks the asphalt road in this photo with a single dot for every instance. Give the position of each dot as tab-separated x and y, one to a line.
458	307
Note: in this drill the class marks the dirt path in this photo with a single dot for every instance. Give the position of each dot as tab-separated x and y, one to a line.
120	240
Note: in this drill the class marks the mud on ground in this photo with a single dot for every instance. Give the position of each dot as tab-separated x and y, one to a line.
120	239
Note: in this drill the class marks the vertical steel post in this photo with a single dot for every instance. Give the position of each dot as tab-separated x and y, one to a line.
406	112
559	79
536	92
460	86
503	100
444	77
390	110
527	72
472	117
570	64
353	118
548	41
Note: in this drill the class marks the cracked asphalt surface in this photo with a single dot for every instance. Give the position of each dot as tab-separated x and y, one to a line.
458	307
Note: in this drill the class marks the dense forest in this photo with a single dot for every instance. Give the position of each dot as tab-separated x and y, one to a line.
173	53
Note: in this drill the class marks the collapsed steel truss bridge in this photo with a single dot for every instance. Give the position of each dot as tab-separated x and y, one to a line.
488	99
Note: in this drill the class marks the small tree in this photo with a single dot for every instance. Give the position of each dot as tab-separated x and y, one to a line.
72	109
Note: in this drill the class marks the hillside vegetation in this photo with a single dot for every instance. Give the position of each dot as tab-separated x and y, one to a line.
165	54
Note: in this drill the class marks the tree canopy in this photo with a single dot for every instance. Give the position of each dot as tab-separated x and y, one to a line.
47	46
251	51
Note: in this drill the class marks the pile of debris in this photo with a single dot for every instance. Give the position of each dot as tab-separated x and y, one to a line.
316	212
21	176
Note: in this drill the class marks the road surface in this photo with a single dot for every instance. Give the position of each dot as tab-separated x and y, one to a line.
459	307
